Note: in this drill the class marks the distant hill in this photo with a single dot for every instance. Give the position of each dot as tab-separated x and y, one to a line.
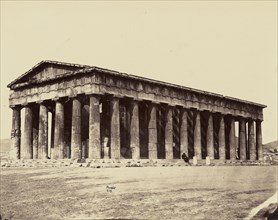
5	145
271	145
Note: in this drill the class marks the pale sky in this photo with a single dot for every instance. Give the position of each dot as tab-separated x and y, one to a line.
226	47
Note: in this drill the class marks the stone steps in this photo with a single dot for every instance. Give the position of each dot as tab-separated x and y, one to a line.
113	163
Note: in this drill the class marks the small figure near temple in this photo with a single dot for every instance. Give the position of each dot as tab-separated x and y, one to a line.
185	158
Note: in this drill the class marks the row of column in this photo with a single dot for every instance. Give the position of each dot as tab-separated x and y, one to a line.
35	137
248	143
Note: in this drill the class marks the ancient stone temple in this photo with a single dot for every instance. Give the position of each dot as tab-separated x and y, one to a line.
78	111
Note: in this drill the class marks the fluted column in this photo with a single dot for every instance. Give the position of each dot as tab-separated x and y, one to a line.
35	131
169	133
27	141
242	139
43	131
15	134
115	129
210	139
94	128
221	139
59	130
259	144
197	136
251	140
134	131
76	129
184	133
232	139
152	130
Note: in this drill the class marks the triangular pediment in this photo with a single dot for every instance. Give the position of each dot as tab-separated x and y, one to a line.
46	70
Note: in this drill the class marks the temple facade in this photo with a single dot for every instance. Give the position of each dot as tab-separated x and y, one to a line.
79	111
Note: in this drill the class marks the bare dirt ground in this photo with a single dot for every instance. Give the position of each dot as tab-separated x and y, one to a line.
140	193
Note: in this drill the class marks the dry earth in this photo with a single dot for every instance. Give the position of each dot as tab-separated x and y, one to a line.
140	193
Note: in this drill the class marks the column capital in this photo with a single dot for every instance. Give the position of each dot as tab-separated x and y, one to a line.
57	98
220	113
182	108
41	102
151	101
25	104
240	118
96	95
133	99
16	107
129	97
194	109
117	96
112	97
170	105
151	104
156	102
229	116
76	96
133	102
250	120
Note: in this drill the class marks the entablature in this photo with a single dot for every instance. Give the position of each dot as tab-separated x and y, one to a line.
100	82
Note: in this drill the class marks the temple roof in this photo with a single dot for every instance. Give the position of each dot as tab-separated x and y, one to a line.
41	65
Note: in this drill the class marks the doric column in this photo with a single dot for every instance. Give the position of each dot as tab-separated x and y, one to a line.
169	133
76	129
242	139
210	140
221	139
15	134
134	130
115	129
35	131
184	133
43	131
259	145
251	140
52	130
197	136
27	141
152	130
94	128
59	130
232	139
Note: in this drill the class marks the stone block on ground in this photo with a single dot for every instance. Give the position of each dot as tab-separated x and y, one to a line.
195	162
207	160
